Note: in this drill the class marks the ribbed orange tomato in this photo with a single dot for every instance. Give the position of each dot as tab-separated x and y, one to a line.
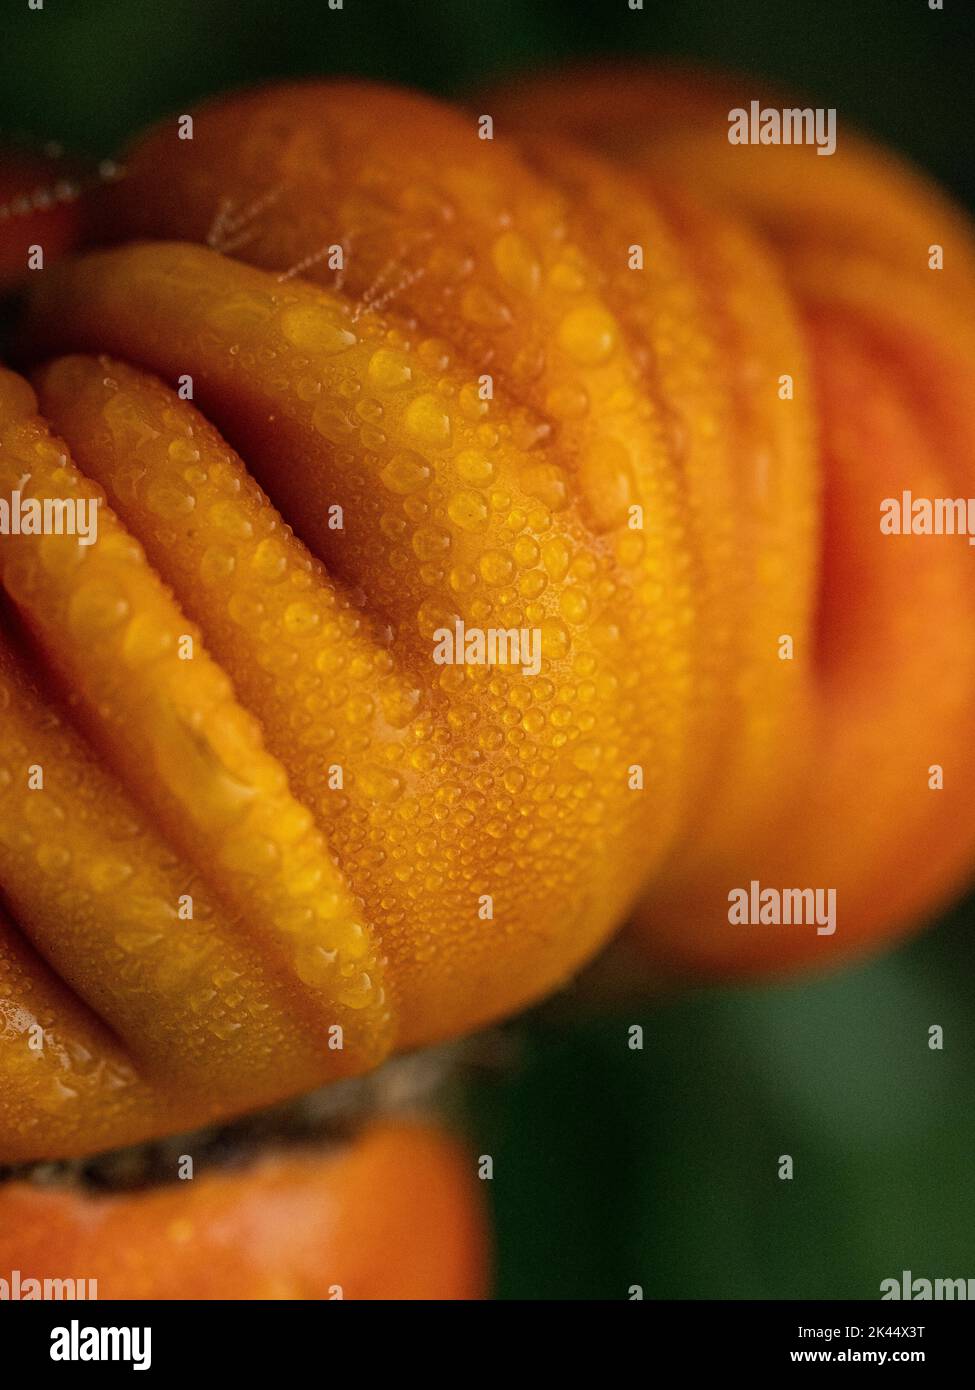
357	386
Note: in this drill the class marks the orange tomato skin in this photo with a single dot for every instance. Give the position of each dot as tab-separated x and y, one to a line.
850	800
394	1214
666	754
39	207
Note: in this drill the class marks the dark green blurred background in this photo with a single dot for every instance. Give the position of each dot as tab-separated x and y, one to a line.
659	1167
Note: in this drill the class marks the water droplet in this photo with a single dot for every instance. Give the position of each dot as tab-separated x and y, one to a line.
269	560
468	510
315	966
232	520
431	543
588	334
516	263
568	401
546	482
474	468
315	329
97	607
389	370
168	501
379	784
301	618
406	472
606	478
555	558
496	567
427	421
574	606
240	314
484	309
